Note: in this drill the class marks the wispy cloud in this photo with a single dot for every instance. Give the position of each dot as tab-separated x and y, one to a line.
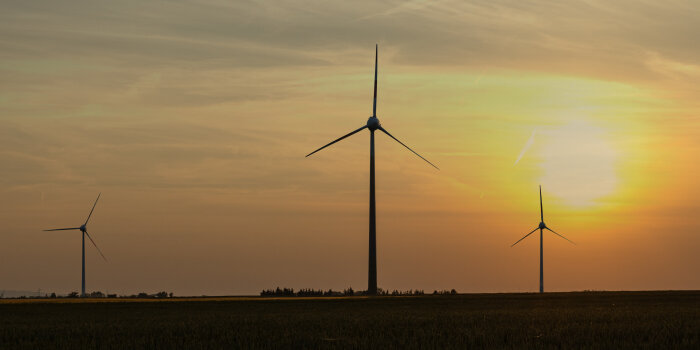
413	5
527	146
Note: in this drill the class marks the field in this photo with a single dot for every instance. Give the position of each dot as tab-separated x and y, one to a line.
652	320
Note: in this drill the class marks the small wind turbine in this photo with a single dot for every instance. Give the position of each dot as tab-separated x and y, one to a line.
541	227
83	229
372	125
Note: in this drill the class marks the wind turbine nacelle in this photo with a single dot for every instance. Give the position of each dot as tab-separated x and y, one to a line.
542	226
373	123
82	228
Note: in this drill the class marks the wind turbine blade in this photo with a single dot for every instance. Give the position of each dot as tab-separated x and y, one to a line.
376	58
64	229
414	152
350	134
95	244
536	228
93	208
541	211
570	241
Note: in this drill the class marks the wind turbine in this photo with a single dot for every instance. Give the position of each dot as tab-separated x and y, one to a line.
541	227
373	125
83	230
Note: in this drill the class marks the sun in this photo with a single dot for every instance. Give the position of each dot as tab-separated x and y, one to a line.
578	163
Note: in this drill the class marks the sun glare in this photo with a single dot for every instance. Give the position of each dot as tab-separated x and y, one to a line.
578	163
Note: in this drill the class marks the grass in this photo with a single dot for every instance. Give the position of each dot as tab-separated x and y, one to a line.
637	320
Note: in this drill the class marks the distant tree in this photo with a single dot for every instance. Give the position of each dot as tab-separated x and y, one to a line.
171	294
97	294
142	295
331	292
53	295
111	295
453	291
73	295
161	295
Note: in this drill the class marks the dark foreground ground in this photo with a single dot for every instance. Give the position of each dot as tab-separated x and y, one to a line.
611	320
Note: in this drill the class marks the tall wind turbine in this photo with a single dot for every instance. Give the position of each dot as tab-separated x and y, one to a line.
541	227
372	125
83	230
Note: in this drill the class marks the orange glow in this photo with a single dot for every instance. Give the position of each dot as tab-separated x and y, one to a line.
194	123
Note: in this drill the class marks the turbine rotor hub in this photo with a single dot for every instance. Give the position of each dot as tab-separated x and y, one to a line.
542	226
83	228
373	123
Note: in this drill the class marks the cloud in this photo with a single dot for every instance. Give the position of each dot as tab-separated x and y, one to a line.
527	146
265	34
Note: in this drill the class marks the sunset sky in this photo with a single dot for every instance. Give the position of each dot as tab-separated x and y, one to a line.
193	119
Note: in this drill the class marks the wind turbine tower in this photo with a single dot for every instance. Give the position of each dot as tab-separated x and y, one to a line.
83	230
541	227
373	125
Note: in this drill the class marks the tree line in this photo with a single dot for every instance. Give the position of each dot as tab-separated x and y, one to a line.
99	294
310	292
